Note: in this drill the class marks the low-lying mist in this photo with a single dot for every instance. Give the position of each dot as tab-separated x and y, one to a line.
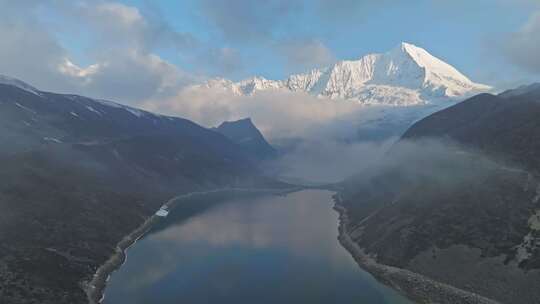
433	163
321	140
277	113
328	160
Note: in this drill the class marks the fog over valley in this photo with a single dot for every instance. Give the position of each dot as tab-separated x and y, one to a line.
206	151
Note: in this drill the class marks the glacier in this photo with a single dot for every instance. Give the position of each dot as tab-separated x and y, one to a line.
406	75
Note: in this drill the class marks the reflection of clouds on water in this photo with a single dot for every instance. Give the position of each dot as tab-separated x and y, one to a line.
305	223
300	223
293	238
223	229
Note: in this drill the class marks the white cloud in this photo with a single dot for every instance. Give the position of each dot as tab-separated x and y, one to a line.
117	25
306	54
70	69
29	52
325	160
132	76
523	46
246	21
277	113
224	60
121	49
126	15
319	135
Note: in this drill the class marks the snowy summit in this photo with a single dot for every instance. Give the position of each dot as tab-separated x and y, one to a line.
406	75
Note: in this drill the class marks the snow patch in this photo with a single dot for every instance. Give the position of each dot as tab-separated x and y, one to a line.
25	108
93	110
52	139
134	111
109	103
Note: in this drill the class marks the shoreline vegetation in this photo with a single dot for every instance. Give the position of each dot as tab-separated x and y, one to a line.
414	286
95	288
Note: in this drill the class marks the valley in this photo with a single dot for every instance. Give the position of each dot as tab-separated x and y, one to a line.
265	250
276	152
71	200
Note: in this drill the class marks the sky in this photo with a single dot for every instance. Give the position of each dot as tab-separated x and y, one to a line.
140	52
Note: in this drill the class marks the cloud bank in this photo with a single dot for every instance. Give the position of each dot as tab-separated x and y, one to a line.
523	46
276	113
121	48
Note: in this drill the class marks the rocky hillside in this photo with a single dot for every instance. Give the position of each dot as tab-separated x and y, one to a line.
244	133
457	199
78	174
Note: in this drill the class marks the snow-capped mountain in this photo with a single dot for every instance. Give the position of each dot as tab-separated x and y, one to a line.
406	75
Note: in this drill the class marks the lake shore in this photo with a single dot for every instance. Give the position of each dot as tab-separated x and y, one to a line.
414	286
95	289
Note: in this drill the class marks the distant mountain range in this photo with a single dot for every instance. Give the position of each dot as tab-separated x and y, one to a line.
406	75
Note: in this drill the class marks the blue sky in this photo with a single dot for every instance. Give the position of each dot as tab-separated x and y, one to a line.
139	50
460	32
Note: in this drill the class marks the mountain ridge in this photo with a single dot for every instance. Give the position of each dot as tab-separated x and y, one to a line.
80	174
406	75
456	199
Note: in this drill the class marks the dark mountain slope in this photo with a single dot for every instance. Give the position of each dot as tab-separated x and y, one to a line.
244	133
78	174
72	118
457	199
532	90
507	127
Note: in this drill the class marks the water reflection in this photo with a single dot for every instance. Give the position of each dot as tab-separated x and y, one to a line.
268	249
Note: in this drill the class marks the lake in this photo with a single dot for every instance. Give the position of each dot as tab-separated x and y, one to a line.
258	249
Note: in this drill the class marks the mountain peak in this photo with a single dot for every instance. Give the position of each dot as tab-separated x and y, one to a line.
425	59
241	122
245	133
438	76
406	75
409	47
430	63
412	50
